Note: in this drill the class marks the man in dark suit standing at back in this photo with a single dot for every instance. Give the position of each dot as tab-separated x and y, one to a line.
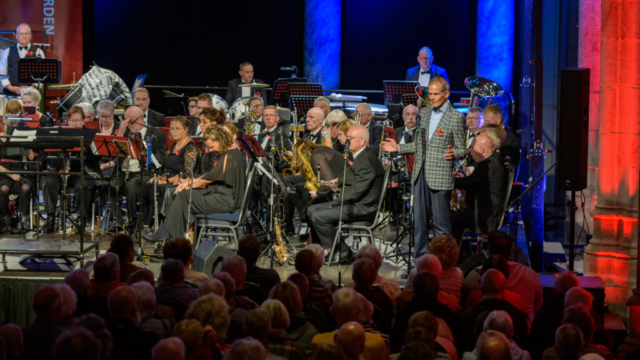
439	140
234	91
425	70
375	129
361	191
510	147
142	99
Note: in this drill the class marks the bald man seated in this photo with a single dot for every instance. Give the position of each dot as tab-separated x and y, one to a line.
351	339
485	190
493	345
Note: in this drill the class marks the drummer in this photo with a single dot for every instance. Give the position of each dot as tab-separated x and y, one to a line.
235	91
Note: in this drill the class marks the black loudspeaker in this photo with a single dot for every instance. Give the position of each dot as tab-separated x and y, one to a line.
208	257
573	136
473	262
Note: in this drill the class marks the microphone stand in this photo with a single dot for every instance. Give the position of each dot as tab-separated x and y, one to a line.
271	201
344	189
193	165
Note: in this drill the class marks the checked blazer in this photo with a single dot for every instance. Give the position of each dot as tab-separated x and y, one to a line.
430	153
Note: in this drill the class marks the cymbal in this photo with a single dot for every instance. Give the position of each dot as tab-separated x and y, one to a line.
254	85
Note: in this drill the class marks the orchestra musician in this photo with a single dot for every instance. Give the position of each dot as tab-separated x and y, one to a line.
332	120
475	122
183	159
315	131
235	91
375	129
510	148
274	138
485	190
13	183
192	107
219	191
142	99
10	56
361	187
88	111
203	101
207	117
31	97
440	141
425	70
256	106
324	104
109	126
134	127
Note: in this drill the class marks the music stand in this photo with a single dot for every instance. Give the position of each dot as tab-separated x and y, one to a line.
40	71
302	104
410	99
280	93
308	89
394	89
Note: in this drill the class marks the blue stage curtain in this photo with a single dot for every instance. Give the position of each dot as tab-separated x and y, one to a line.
322	42
494	42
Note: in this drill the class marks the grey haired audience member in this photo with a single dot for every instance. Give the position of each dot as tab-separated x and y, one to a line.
147	306
246	349
40	337
501	321
169	349
79	281
69	299
106	268
350	339
212	286
98	327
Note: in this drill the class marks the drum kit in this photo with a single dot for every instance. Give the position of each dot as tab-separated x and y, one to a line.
239	107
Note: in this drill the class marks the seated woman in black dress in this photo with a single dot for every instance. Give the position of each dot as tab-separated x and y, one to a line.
219	191
182	159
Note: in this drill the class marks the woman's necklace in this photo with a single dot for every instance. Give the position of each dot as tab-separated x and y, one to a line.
184	142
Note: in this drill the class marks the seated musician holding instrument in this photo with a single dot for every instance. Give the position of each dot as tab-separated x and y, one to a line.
208	117
109	126
273	140
509	150
179	167
31	97
14	107
256	110
192	107
375	130
134	127
202	101
219	191
315	131
323	104
13	183
331	121
485	191
361	187
88	111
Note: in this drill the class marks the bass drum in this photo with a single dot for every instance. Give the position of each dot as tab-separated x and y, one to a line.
237	109
218	102
73	97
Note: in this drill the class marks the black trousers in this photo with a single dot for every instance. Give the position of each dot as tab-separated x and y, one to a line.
203	201
107	192
132	194
51	185
8	187
324	219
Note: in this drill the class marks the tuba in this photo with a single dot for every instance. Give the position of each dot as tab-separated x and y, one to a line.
423	96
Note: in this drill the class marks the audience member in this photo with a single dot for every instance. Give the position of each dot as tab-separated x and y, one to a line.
106	277
180	249
142	275
237	315
493	285
129	341
258	326
212	311
14	343
312	312
147	307
299	328
80	282
549	318
328	352
306	263
499	263
77	344
416	351
445	248
501	321
169	349
173	292
365	318
426	287
191	333
69	303
429	263
364	275
426	320
568	345
246	349
390	286
211	286
493	345
236	266
279	342
320	256
249	248
522	280
579	295
40	337
98	327
346	308
350	339
122	246
579	316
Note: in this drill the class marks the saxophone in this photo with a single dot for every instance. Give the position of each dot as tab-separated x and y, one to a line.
287	157
306	170
280	249
296	133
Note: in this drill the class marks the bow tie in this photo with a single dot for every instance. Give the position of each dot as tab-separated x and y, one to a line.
22	47
425	72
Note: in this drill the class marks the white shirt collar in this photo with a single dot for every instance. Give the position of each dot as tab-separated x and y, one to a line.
358	153
315	133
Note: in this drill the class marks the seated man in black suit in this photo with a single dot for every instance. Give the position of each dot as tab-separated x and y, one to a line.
510	148
142	99
375	129
133	126
361	187
315	130
425	70
249	248
485	191
234	91
256	105
475	122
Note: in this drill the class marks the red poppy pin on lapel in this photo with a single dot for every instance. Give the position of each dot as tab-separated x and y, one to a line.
439	132
206	150
177	152
30	53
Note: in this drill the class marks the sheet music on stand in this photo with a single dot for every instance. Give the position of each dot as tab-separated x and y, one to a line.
394	89
280	94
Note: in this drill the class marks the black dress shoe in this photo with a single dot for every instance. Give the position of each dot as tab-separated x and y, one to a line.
342	255
161	234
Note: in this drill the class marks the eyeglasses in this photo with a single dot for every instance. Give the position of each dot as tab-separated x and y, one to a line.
192	106
24	34
173	129
105	116
354	137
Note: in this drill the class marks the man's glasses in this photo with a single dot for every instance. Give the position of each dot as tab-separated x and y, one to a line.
354	137
192	107
23	34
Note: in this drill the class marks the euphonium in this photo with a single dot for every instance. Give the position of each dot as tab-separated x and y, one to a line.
249	120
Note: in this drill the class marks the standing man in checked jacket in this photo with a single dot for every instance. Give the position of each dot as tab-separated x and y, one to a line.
438	141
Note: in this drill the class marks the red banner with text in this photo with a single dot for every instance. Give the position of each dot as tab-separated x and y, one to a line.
57	23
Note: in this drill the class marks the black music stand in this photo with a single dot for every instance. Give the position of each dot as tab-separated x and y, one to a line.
394	89
302	104
40	71
280	94
410	99
308	89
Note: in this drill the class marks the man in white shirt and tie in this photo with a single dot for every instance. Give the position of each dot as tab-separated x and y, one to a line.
425	70
10	57
142	99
